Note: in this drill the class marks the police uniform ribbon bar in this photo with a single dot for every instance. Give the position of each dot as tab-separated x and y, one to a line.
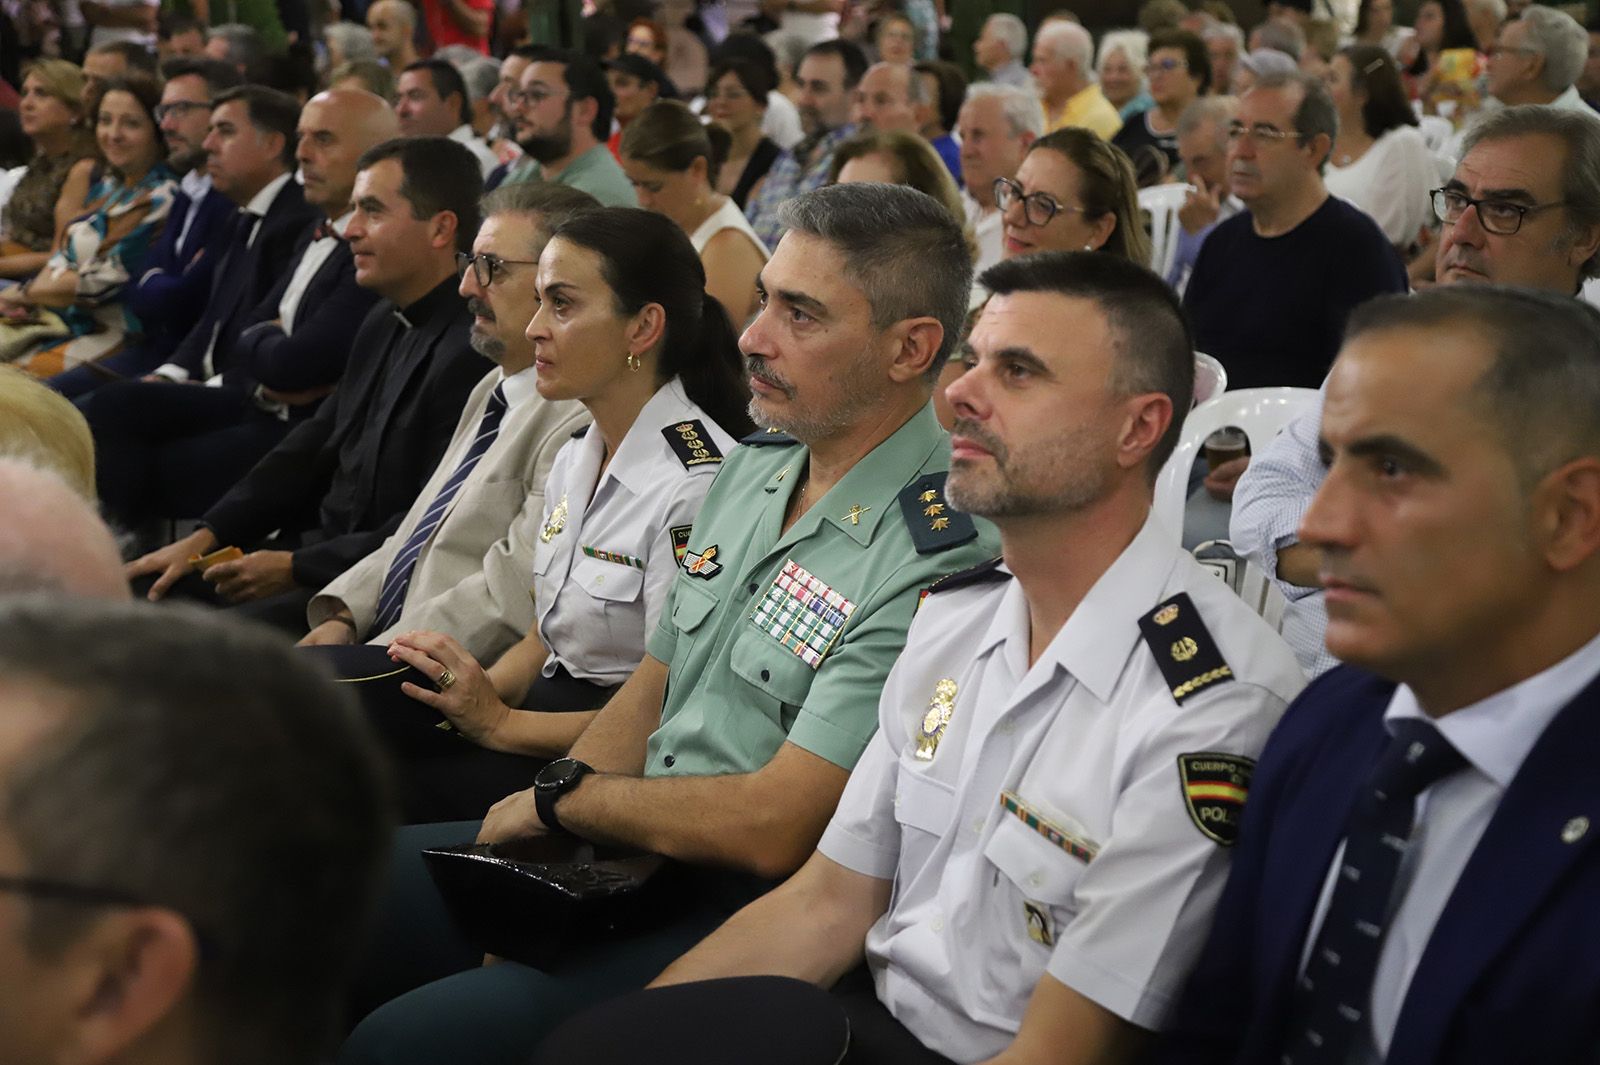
613	556
1077	846
802	613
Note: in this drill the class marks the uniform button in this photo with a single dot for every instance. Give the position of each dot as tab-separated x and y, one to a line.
668	760
937	924
1007	728
765	675
977	825
752	587
1034	880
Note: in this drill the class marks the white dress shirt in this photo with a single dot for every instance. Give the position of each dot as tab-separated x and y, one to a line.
988	225
1088	739
604	554
311	261
1495	735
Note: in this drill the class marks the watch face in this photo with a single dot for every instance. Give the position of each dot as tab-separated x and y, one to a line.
557	774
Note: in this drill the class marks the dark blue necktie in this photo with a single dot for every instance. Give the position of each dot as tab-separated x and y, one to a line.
1331	998
393	595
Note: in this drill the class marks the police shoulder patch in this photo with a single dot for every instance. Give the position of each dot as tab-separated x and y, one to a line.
768	438
680	541
1214	790
690	442
1184	650
934	525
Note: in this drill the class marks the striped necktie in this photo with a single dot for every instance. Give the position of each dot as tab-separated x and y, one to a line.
1333	994
393	595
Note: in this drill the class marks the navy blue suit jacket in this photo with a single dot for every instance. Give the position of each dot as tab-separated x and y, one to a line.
171	295
1512	970
324	328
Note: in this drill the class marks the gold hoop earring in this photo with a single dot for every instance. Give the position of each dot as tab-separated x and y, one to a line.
633	362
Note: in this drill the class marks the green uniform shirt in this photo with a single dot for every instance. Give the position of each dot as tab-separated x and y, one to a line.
776	636
598	173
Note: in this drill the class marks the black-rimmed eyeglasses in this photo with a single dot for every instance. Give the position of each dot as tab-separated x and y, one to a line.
485	267
1037	207
1500	217
46	889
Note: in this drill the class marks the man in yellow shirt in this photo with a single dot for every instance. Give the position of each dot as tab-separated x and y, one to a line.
1063	67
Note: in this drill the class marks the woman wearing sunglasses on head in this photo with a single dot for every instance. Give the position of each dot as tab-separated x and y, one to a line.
624	326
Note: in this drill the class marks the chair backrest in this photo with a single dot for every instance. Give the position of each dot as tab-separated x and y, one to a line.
1162	203
1210	378
1435	131
1248	583
1260	412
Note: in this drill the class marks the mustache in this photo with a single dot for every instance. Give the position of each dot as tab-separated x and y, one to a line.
755	366
480	308
979	435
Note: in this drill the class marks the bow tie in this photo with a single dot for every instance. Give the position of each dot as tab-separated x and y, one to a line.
324	230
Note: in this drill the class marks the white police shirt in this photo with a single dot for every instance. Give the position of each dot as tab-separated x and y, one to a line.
605	550
1069	817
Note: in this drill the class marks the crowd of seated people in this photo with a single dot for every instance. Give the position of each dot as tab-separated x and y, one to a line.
604	533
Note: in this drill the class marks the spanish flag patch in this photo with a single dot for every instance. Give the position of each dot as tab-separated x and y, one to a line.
1214	790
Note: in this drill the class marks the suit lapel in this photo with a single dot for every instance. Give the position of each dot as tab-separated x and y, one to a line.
326	277
1522	856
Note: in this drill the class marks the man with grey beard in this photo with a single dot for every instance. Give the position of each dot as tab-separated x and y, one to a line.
463	557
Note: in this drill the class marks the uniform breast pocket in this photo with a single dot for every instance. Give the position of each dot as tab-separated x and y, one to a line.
1035	893
923	807
778	679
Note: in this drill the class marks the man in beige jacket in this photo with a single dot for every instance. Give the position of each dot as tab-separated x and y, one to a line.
452	565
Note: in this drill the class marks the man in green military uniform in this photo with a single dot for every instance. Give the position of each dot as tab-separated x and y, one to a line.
729	747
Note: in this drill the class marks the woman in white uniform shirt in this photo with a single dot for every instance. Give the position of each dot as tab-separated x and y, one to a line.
624	326
1379	161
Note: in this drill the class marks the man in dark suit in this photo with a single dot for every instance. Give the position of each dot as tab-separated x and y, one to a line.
171	295
1418	863
250	156
341	481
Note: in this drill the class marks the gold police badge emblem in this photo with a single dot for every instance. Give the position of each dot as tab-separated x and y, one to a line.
555	523
940	707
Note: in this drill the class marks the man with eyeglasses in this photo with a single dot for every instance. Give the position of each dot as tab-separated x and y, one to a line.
1523	209
339	483
562	113
171	295
1272	285
438	569
141	917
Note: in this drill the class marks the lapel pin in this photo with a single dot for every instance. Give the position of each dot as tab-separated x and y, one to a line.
1574	829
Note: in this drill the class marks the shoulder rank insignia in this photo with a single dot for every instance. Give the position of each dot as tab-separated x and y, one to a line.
768	438
691	445
1214	789
934	525
1184	649
680	541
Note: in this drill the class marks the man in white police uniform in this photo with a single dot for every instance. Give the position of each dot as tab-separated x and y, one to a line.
1029	852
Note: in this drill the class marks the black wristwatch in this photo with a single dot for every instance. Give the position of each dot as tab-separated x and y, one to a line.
554	781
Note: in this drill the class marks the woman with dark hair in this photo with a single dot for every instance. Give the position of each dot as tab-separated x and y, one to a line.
1441	59
673	159
625	327
736	99
1073	192
1375	26
100	251
1379	161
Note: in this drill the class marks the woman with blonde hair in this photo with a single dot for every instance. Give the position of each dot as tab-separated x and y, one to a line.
40	424
672	160
50	191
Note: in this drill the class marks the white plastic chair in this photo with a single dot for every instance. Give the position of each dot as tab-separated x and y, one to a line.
1247	581
1210	378
1162	202
1435	131
1260	412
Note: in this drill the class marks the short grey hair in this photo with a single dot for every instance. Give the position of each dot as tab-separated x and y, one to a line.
1217	111
1282	37
1135	44
1010	31
245	46
1316	113
1219	30
554	204
353	40
1497	8
1068	40
1579	131
900	247
1564	44
1019	105
481	75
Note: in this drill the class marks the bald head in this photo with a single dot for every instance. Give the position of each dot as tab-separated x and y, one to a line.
52	540
336	127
